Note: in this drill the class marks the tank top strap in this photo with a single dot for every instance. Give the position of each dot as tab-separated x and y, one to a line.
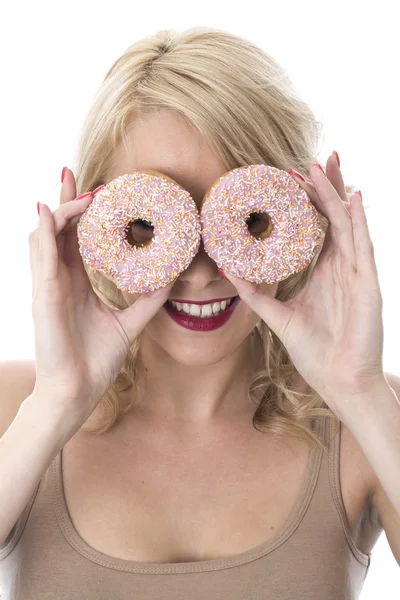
330	485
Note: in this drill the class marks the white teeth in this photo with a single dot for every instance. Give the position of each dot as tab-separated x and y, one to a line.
216	307
206	310
202	310
194	310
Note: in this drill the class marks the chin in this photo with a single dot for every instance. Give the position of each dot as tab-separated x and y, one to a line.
200	349
202	355
195	358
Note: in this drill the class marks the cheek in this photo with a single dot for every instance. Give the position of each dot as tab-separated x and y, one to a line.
248	318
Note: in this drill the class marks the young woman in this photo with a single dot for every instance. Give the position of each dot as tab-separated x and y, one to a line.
143	457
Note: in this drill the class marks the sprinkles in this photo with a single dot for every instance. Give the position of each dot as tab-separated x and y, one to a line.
286	246
294	229
148	196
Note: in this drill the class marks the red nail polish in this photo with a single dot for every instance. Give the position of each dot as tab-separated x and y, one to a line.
296	174
337	157
98	188
316	164
222	273
359	193
63	174
38	208
84	195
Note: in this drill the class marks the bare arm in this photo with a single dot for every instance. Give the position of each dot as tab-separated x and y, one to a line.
73	366
27	448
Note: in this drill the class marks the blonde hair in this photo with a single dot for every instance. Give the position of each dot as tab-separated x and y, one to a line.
243	104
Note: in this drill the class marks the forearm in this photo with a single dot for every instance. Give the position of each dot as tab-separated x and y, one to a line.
27	449
374	420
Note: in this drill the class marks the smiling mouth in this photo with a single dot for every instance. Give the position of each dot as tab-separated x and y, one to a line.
203	311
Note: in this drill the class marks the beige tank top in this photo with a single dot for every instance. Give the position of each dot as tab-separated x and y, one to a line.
312	556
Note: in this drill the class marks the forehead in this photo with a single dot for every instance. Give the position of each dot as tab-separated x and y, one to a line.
164	142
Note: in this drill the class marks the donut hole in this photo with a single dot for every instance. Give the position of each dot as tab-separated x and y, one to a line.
259	224
139	233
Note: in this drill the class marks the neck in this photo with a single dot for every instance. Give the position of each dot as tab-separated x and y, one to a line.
198	395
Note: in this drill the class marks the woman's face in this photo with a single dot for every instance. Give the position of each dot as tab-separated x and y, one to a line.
163	142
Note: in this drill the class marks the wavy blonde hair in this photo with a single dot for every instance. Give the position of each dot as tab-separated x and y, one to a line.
243	104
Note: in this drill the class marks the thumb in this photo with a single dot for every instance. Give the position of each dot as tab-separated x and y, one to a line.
274	313
135	318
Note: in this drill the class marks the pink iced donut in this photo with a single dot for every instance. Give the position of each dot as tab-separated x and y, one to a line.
106	241
259	224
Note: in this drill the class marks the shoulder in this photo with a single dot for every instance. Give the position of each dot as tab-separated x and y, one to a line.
17	381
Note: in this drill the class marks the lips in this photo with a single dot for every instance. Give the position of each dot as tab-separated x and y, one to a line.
201	323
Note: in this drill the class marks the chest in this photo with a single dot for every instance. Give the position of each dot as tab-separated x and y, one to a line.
152	501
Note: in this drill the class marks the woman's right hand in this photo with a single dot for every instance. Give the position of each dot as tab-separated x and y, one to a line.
80	343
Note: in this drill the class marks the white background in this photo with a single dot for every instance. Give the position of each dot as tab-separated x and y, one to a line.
342	56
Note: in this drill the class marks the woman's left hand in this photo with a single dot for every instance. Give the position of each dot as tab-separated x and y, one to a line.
332	329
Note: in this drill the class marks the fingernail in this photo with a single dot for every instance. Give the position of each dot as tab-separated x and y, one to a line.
359	193
316	164
98	188
63	174
222	273
84	195
296	174
38	208
337	157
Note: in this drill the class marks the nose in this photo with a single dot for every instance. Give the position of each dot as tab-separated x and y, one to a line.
201	272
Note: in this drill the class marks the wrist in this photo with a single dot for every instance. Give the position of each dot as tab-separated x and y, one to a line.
44	417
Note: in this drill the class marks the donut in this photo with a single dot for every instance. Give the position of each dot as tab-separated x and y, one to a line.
259	224
113	232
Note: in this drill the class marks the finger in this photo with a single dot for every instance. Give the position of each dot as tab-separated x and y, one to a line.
70	246
48	252
68	187
75	220
67	193
334	175
68	212
134	318
72	255
33	257
274	313
338	217
312	194
328	246
60	241
362	240
72	223
64	217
